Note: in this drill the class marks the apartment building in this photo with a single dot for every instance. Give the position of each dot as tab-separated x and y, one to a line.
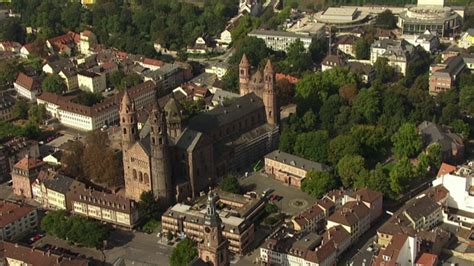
311	220
354	217
236	212
7	102
91	81
281	40
289	168
372	199
16	220
103	206
398	53
402	250
443	76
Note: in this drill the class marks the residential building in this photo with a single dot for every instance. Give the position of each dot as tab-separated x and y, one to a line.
14	150
331	61
8	46
26	50
424	214
301	249
460	185
467	39
346	44
192	91
311	220
23	175
152	64
427	259
398	53
63	44
55	64
202	45
103	206
87	42
443	76
354	217
169	75
51	189
372	199
428	41
16	254
237	216
452	144
87	118
225	38
91	81
402	250
290	169
16	220
70	77
7	102
281	40
54	158
365	71
27	87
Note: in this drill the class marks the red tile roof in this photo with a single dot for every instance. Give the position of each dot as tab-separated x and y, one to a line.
28	163
367	195
391	252
11	212
27	82
70	39
291	79
153	62
350	214
446	169
427	259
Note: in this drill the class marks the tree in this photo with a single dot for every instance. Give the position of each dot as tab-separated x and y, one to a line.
348	92
8	72
362	49
435	156
460	127
71	160
349	168
383	72
318	183
148	205
20	109
379	180
450	113
466	99
37	114
287	140
329	110
54	84
309	120
182	55
367	104
401	175
406	142
341	146
285	91
100	162
11	29
230	184
253	47
318	49
183	253
297	60
313	145
271	208
386	20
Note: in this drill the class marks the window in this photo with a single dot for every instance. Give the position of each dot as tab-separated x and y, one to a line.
134	174
147	180
124	131
140	176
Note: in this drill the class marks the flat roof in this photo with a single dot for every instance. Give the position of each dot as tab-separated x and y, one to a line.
340	11
279	33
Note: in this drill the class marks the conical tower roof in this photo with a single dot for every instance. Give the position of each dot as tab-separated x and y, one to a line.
244	62
269	66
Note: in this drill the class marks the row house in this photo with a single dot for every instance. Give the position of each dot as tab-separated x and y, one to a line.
354	217
26	86
16	220
16	254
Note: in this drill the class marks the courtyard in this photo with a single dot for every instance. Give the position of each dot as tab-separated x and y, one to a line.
292	200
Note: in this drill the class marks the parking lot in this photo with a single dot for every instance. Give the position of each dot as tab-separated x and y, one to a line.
292	200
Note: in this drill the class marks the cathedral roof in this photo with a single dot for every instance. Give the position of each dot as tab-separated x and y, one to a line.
222	115
173	110
244	62
188	139
269	66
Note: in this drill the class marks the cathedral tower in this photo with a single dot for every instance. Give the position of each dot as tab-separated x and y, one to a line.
244	75
160	158
214	247
128	122
269	98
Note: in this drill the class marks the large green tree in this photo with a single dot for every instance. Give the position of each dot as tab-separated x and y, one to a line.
318	183
54	84
350	168
386	20
230	184
341	146
183	253
313	145
407	142
466	99
402	173
362	49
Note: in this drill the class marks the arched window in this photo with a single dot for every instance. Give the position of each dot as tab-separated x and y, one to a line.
134	174
147	179
153	140
140	177
160	141
124	131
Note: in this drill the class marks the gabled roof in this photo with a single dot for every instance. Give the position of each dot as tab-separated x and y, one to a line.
27	82
446	169
367	195
389	255
28	163
11	212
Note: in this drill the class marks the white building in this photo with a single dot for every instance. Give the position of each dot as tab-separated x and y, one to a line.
281	40
225	39
460	202
91	82
428	41
218	68
402	250
88	40
467	39
353	216
87	118
27	87
398	53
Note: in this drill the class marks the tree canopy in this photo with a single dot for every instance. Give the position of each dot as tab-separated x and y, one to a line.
54	84
318	183
184	252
